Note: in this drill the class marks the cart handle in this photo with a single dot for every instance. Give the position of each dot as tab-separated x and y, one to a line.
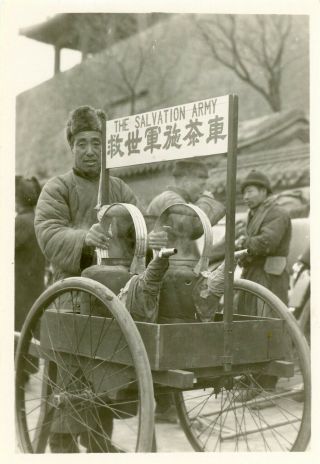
203	262
138	264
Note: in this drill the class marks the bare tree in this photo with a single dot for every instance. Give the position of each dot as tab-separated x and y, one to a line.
136	56
144	60
130	60
252	47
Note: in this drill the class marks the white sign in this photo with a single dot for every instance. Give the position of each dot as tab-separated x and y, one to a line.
184	131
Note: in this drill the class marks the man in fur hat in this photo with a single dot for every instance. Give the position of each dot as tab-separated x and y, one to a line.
68	231
66	220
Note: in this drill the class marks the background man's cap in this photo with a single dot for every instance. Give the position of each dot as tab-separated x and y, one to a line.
258	179
84	118
190	168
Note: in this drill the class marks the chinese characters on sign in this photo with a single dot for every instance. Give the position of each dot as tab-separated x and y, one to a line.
194	129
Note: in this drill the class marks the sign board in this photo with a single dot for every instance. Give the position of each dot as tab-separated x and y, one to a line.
193	129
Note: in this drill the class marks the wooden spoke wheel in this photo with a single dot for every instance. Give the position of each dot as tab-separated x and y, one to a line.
83	382
252	411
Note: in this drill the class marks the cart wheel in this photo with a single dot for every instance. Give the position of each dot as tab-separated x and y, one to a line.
252	411
68	397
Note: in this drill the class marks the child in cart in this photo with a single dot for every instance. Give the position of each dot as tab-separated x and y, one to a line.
141	294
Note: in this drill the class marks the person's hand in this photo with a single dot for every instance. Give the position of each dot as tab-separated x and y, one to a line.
240	228
158	240
240	242
97	237
240	254
207	193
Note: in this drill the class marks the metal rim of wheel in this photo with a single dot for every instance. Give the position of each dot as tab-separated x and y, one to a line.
57	389
247	416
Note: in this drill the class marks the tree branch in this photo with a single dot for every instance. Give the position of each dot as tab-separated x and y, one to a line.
247	50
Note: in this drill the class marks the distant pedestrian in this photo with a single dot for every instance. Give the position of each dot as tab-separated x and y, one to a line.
29	260
29	263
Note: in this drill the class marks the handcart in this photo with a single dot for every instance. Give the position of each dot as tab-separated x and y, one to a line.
88	361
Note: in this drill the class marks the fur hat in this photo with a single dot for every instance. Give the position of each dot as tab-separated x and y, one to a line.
190	167
27	191
84	118
258	179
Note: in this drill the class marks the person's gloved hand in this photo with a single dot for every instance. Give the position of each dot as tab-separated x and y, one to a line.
97	237
158	240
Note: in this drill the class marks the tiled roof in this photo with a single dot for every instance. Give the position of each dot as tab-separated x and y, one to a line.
142	169
65	30
286	168
161	166
253	131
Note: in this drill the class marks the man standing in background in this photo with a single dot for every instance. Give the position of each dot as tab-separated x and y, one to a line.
190	178
266	236
29	260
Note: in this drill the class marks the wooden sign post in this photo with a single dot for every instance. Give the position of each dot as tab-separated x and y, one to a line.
103	195
230	228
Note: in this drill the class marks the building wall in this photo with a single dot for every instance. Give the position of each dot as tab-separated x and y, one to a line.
178	69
